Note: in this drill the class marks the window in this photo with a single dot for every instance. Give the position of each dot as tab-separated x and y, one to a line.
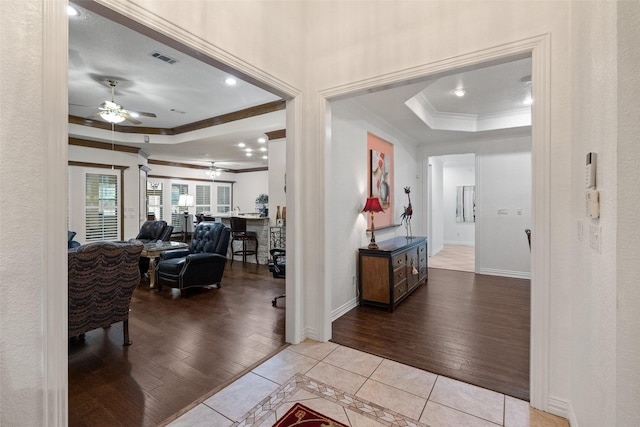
102	218
177	216
203	198
154	199
224	198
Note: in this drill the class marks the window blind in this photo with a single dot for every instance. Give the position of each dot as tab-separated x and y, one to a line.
203	198
224	198
102	219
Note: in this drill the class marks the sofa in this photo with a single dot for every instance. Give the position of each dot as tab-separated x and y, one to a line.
102	278
202	264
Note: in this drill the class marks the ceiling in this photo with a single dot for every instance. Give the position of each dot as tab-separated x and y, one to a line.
189	90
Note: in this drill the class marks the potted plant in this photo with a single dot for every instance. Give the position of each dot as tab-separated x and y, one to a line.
261	204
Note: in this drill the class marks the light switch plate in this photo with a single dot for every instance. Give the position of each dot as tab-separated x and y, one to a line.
580	230
595	237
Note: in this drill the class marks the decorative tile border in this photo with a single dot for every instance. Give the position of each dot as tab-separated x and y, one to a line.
300	382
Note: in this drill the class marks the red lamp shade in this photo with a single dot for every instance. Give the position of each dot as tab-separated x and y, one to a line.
372	205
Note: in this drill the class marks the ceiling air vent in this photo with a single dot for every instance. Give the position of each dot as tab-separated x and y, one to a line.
163	57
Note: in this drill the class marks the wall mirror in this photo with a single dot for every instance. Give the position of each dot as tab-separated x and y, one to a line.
466	203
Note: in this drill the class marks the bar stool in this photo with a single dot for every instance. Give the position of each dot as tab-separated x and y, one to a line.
239	232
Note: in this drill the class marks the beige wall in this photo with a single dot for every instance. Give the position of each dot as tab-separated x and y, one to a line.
628	232
315	46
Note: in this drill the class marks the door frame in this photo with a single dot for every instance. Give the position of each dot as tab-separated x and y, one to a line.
539	48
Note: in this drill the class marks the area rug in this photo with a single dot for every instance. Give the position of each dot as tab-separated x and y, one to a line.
299	383
300	415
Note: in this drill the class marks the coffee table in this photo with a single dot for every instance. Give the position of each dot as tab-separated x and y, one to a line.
153	250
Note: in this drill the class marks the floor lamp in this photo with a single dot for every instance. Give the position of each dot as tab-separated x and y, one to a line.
372	206
185	201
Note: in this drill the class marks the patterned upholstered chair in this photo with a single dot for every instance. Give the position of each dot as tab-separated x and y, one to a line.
102	278
202	264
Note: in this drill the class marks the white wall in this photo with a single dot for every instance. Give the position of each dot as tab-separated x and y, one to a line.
457	175
593	293
503	183
628	232
436	203
347	192
322	46
247	188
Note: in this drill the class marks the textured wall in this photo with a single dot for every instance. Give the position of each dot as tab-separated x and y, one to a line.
628	232
593	283
21	130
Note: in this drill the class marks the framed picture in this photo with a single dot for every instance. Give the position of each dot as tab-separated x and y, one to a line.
380	172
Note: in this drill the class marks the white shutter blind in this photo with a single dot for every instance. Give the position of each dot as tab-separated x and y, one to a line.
203	198
224	198
102	218
154	198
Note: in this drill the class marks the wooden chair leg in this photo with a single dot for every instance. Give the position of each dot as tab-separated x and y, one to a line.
125	330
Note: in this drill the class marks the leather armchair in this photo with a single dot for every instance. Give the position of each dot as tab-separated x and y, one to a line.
150	232
70	242
202	264
154	230
102	278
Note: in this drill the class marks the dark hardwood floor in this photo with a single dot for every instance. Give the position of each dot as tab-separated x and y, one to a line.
473	328
183	348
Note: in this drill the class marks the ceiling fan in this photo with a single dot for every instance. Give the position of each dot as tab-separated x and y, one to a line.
112	112
214	170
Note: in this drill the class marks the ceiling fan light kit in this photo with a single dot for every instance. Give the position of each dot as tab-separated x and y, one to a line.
112	112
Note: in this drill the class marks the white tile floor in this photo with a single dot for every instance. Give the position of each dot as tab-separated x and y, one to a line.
359	390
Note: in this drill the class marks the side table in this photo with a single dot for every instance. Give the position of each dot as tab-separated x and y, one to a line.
153	250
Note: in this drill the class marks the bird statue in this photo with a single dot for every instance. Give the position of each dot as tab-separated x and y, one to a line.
408	211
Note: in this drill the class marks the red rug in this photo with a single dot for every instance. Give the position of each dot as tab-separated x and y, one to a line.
300	415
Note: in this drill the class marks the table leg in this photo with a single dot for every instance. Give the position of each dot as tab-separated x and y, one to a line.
152	272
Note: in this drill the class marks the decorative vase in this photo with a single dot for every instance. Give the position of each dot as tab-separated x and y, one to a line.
284	215
278	216
384	192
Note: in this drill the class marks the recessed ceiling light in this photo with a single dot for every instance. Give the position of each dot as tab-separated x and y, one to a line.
459	92
265	157
71	11
241	144
263	149
262	140
248	150
231	81
249	154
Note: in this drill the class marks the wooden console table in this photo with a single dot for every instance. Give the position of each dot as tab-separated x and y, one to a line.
389	274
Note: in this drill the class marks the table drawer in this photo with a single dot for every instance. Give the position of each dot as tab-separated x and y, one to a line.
399	261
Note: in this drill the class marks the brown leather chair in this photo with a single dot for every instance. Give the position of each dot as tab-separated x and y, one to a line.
102	278
239	232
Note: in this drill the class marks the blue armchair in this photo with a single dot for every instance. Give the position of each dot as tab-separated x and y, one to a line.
70	242
202	264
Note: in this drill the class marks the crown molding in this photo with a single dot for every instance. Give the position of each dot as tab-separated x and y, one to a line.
246	113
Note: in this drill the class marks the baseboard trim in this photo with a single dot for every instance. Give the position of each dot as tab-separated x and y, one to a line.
505	273
558	407
571	416
458	243
343	309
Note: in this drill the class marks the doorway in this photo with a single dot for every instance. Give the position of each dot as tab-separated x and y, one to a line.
452	212
537	150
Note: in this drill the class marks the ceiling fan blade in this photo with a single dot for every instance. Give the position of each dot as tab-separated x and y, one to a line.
81	105
146	114
129	118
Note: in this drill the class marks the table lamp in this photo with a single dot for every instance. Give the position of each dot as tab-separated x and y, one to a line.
372	206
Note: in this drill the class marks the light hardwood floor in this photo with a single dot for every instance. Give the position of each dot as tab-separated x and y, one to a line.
455	257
